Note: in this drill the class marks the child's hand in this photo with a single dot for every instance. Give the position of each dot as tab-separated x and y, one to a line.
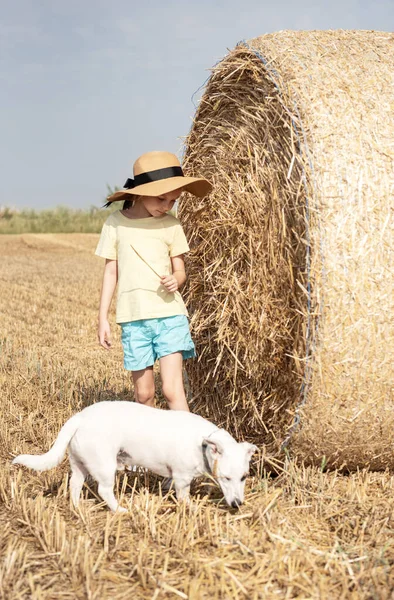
170	283
104	334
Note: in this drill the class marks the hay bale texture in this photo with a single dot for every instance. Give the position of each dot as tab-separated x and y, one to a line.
291	270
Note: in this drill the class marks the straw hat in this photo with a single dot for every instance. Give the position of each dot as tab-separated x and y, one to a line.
157	173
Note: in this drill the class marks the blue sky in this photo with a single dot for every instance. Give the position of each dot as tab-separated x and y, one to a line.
87	86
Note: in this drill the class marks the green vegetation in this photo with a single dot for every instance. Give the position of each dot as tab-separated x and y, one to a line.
57	220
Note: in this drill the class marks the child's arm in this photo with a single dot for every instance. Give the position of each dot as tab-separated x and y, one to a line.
175	281
110	279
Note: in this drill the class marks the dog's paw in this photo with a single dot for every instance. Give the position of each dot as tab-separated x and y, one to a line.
121	511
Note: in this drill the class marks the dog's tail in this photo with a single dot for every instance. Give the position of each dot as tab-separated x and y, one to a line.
43	462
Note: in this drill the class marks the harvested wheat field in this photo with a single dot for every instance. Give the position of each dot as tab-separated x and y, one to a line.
291	282
303	534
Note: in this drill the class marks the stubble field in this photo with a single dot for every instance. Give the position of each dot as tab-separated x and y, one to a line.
303	534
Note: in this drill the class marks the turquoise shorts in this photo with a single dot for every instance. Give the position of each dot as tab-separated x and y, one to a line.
146	340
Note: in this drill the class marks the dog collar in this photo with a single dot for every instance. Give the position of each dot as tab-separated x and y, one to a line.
214	470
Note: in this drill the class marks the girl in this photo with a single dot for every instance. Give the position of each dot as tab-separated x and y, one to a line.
144	247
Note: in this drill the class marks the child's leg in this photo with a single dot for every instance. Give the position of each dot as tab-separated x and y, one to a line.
144	386
172	381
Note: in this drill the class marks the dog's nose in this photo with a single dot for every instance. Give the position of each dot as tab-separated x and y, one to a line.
236	503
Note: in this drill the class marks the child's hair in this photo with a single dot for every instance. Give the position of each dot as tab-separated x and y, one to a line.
126	203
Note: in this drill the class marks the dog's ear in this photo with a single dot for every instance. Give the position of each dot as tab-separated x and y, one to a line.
215	447
250	449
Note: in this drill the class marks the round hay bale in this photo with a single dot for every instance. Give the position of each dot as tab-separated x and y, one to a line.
291	270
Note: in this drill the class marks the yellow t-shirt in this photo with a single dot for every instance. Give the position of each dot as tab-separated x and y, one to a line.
132	242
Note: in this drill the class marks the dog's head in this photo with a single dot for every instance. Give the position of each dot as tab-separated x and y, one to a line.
228	462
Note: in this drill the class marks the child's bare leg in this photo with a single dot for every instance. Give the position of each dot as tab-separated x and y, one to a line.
172	380
144	386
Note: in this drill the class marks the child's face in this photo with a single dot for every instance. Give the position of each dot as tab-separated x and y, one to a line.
157	206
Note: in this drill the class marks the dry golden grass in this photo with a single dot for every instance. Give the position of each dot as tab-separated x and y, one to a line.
304	534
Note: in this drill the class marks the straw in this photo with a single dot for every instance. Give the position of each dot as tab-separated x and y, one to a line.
290	281
303	534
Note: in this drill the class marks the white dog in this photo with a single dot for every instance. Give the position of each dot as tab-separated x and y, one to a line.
177	444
